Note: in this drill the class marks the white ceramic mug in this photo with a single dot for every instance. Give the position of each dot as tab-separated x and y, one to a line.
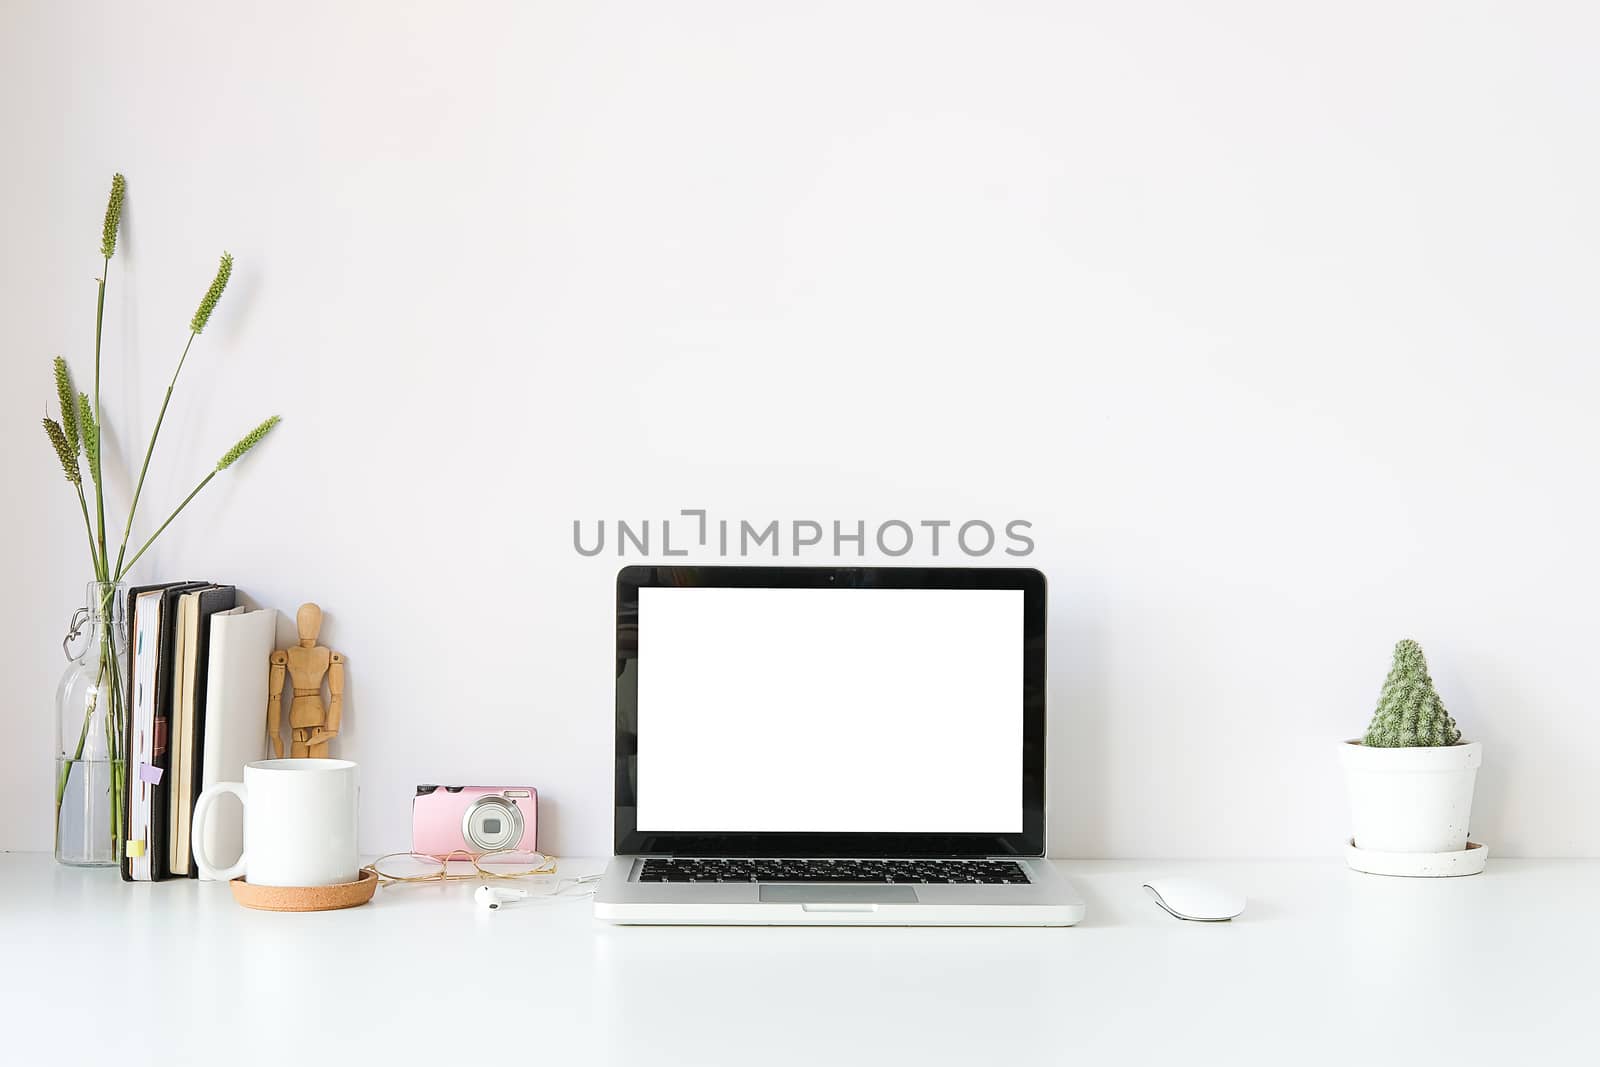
299	823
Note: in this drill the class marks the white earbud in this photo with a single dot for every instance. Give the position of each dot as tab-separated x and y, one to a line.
491	897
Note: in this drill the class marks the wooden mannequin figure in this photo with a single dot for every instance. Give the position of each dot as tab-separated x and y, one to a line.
311	724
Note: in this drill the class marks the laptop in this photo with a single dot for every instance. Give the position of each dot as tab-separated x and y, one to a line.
831	746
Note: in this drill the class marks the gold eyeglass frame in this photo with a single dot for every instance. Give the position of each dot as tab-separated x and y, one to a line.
546	865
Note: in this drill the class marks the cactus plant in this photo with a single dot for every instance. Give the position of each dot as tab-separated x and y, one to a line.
1410	713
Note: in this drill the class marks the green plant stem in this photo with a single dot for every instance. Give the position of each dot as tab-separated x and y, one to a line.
194	493
111	741
99	426
83	505
61	782
149	451
101	560
115	731
66	772
112	675
83	734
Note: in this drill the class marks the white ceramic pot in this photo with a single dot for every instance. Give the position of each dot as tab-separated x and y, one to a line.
1411	799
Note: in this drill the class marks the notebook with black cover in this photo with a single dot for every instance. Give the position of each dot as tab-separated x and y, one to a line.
188	743
136	788
166	690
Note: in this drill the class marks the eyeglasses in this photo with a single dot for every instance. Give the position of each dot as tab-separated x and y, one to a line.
417	867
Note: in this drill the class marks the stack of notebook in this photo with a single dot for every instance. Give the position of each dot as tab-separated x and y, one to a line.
197	705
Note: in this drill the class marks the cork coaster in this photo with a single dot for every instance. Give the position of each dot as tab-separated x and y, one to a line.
305	898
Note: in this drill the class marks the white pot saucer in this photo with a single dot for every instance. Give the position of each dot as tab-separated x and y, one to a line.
1470	860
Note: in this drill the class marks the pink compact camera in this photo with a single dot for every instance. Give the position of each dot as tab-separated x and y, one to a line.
474	818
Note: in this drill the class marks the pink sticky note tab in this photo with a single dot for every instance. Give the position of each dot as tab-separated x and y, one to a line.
149	774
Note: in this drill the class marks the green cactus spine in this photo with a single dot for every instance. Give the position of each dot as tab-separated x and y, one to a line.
1410	713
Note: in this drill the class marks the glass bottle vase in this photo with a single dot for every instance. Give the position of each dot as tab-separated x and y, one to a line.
91	775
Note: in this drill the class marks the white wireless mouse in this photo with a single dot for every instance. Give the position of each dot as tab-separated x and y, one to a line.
1187	898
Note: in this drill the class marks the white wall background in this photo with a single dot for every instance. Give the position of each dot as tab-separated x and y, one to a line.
1278	321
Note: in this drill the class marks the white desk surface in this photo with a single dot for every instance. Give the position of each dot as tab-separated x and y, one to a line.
1325	966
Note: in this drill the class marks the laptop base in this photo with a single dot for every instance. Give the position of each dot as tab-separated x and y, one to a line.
1047	900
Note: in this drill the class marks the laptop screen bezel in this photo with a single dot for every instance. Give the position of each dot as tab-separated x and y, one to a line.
630	840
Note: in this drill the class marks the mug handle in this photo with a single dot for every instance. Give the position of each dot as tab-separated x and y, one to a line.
202	811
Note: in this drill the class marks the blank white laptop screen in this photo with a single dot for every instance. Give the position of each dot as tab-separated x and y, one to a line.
830	710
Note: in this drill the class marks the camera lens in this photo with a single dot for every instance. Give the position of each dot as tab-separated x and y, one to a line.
492	823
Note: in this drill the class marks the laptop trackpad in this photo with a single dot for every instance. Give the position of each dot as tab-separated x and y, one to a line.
789	893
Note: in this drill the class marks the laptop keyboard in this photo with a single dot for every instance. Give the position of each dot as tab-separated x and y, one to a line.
914	872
